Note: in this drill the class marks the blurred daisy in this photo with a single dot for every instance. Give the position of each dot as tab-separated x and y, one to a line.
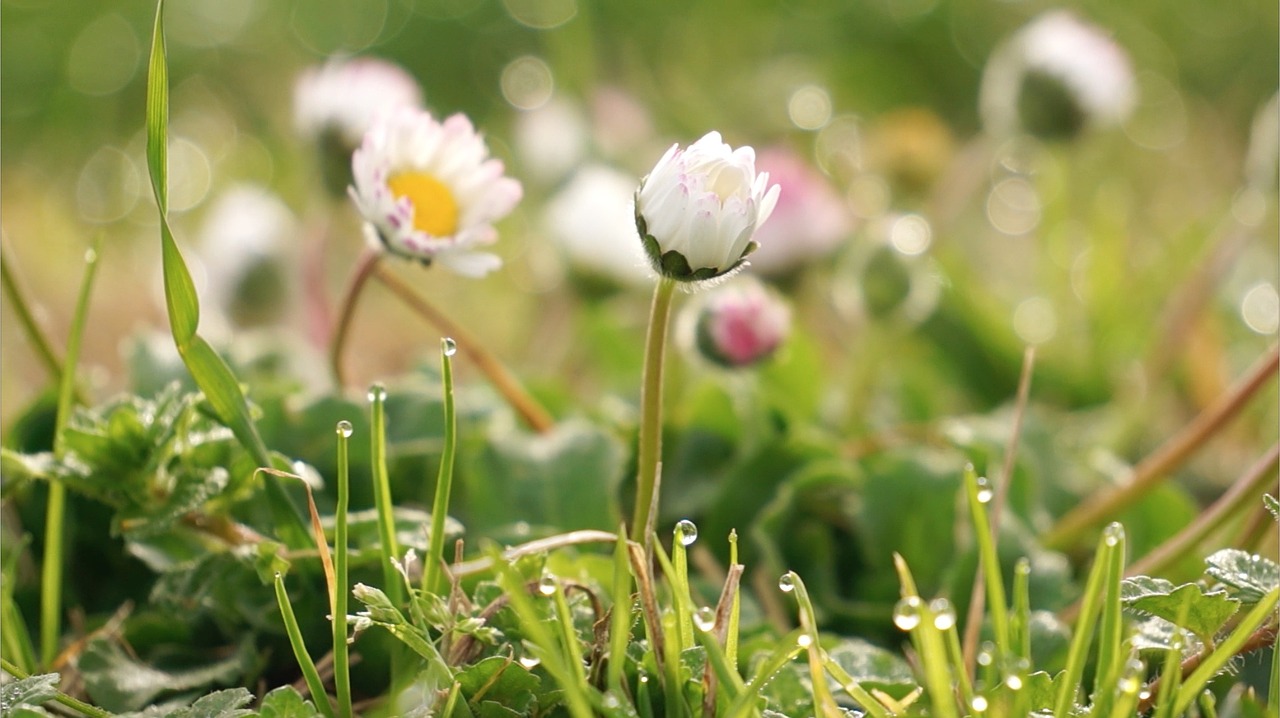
551	140
344	96
590	219
1056	76
699	208
737	325
429	191
809	221
245	245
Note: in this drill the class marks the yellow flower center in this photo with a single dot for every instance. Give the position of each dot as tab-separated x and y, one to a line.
435	211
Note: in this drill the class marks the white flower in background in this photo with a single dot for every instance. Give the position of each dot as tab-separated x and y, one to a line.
429	190
245	245
810	220
1056	76
551	140
739	324
590	219
699	207
343	97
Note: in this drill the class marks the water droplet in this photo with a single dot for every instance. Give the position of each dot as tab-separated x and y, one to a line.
611	701
1113	534
90	256
686	532
984	490
979	704
547	585
944	616
787	583
530	662
985	657
644	678
906	615
344	429
804	640
1014	682
1022	567
705	618
448	346
1144	694
1129	684
377	392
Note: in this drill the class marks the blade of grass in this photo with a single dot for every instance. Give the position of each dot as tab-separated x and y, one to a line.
210	373
766	670
1094	592
308	666
14	636
341	662
823	702
1110	637
55	512
911	614
735	608
1226	650
673	643
568	636
444	480
382	493
978	497
679	578
535	629
620	617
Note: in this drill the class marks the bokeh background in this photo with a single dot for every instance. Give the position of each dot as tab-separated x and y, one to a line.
1078	246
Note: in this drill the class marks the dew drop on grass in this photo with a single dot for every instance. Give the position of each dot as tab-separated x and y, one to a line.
344	429
1113	534
787	583
906	614
944	616
377	392
547	585
804	640
987	655
705	618
530	662
644	678
984	490
448	346
1014	682
979	704
1134	671
686	532
611	701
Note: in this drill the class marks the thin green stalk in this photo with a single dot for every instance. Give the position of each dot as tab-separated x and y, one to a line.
26	319
382	500
1020	621
672	643
978	497
59	697
824	703
568	636
1226	650
341	590
955	653
55	515
535	628
1111	655
1094	591
786	649
308	667
444	480
620	618
648	465
735	609
680	580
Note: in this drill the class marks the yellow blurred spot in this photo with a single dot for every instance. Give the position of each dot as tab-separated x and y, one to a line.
435	211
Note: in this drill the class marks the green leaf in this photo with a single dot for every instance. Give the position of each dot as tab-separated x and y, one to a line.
1153	633
409	523
158	113
30	691
503	681
1187	605
17	467
118	682
223	392
192	488
286	702
567	478
221	704
873	667
1250	576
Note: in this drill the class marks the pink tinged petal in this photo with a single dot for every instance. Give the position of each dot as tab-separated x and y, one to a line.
704	248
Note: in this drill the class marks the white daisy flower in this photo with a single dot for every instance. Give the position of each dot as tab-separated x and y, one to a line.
699	207
429	190
343	97
590	218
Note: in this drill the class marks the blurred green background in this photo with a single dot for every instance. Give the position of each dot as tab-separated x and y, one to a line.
880	93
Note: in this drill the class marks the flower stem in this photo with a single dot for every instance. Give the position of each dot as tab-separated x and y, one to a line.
444	480
529	409
365	267
1152	470
650	451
